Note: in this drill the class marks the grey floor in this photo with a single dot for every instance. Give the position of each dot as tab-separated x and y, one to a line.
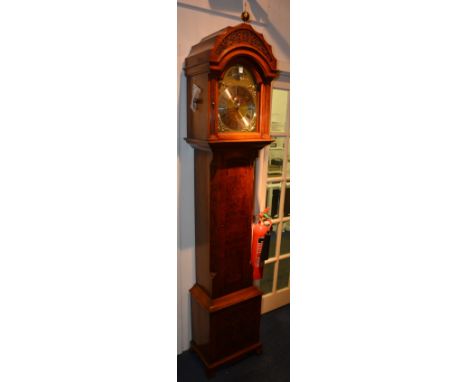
272	365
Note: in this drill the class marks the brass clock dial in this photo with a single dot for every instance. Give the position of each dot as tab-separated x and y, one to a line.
237	101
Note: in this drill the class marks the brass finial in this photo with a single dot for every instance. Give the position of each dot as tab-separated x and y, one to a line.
245	15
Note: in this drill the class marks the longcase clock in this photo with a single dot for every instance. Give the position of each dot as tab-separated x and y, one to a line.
229	76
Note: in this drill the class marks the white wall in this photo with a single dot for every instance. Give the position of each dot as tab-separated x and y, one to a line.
195	20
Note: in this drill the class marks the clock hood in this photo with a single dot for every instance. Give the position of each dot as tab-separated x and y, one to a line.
220	47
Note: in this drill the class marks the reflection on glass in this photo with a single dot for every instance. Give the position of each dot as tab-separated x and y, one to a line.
283	274
279	110
284	247
273	193
266	283
274	235
276	157
286	201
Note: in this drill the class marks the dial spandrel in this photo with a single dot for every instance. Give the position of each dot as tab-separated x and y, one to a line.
237	101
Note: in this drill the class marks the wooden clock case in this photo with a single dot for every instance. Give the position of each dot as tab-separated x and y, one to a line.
225	305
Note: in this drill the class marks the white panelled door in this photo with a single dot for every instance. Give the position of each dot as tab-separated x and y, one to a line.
273	181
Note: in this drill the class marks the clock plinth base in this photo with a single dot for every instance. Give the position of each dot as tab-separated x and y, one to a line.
210	368
227	328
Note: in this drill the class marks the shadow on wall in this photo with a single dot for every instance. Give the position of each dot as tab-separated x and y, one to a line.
227	5
260	16
185	167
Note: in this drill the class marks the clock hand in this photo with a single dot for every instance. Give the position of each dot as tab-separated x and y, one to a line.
231	98
243	119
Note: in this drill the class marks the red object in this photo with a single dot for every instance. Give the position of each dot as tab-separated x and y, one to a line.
259	230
